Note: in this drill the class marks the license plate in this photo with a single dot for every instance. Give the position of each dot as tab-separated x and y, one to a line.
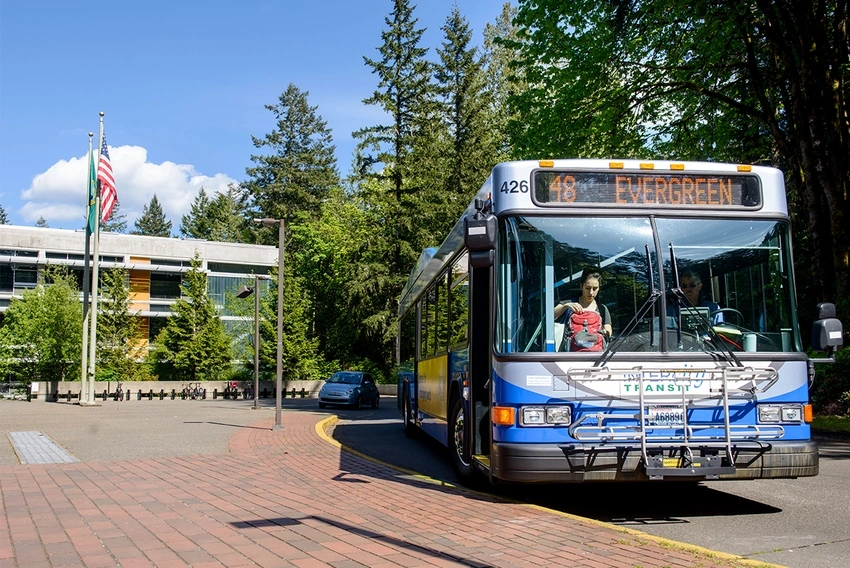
665	415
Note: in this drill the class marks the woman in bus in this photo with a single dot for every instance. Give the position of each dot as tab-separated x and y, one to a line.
591	282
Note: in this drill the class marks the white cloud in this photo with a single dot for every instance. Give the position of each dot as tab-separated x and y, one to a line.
59	194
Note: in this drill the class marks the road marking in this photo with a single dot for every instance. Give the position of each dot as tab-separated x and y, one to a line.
37	447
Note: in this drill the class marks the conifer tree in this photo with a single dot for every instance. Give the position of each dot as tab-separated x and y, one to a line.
301	166
3	219
117	222
503	75
193	345
466	104
195	224
41	222
221	218
152	221
117	329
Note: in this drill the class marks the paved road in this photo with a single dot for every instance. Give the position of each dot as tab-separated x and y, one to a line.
800	523
223	488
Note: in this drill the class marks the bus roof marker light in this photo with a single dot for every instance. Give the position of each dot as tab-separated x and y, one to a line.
616	165
647	166
677	167
745	168
547	163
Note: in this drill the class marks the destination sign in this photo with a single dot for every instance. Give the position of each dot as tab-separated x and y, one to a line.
651	189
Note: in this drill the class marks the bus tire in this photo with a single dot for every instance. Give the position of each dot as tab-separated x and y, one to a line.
457	442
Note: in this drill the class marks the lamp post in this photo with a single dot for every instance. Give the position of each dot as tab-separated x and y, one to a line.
244	292
279	384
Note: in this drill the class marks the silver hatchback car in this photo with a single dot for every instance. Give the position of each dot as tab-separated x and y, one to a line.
350	388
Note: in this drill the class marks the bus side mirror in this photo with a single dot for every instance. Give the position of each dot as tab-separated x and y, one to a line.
827	331
479	236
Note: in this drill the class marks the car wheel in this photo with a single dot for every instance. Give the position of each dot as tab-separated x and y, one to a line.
359	402
457	442
377	402
322	405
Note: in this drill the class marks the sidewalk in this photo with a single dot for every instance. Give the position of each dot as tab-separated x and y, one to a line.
294	497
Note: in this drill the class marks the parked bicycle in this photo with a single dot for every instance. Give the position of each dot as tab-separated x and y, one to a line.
231	390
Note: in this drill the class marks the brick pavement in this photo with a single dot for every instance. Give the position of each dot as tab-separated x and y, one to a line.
295	498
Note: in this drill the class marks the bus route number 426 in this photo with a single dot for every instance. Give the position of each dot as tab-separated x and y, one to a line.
514	186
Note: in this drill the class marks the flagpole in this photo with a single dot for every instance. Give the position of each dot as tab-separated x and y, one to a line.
95	270
86	282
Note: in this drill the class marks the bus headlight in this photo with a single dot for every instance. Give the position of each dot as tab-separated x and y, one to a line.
545	415
775	413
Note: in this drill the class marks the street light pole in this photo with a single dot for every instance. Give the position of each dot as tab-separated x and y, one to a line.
280	249
256	340
279	386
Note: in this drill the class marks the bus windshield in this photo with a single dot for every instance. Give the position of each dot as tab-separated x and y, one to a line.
735	276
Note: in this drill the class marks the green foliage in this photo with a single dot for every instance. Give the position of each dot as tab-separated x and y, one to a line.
42	332
301	167
219	219
152	221
4	220
719	81
193	345
117	222
118	331
830	392
41	223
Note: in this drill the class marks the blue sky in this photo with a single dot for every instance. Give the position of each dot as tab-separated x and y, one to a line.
183	86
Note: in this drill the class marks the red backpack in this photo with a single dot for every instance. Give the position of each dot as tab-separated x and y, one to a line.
585	331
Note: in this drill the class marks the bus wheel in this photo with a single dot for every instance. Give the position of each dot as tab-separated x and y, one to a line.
457	442
409	426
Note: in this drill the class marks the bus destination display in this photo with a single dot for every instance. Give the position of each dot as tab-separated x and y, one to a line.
647	188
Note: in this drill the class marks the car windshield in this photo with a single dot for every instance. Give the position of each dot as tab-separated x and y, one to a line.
345	378
735	277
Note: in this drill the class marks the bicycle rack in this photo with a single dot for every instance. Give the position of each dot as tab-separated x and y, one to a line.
740	382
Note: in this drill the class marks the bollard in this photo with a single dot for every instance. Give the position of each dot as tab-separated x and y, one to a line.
265	392
215	394
204	395
293	392
161	394
104	395
303	392
139	395
173	394
69	396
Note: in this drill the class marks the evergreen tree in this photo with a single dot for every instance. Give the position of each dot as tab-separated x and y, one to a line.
392	189
195	224
301	167
41	223
117	222
193	345
117	330
152	221
467	106
41	336
220	219
3	219
503	76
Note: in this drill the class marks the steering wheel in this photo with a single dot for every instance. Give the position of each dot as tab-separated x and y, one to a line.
738	314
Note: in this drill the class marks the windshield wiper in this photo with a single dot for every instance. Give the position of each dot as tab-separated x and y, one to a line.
720	346
648	304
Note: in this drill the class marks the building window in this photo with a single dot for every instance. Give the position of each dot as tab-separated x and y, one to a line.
165	286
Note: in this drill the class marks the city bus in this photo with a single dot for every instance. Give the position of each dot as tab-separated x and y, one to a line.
677	392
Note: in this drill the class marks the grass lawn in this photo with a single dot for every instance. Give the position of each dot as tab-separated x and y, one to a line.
831	425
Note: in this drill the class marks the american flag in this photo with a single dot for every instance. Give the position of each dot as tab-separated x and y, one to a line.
108	193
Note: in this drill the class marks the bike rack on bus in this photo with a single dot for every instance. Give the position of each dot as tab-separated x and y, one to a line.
739	382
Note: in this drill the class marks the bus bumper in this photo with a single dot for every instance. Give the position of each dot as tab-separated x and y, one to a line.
571	463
